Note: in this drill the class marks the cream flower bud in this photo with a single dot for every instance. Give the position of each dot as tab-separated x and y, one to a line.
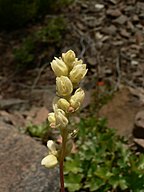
49	161
61	119
59	67
52	147
63	104
52	119
64	86
69	58
77	99
78	73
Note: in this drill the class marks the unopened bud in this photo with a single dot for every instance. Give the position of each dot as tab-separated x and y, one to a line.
49	161
59	67
64	86
77	99
52	119
61	119
69	58
63	104
52	147
78	73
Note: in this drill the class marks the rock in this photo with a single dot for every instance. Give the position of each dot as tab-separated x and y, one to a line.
138	131
121	111
20	168
91	61
111	30
139	38
108	72
112	1
121	20
15	119
134	63
80	26
140	7
139	120
135	18
98	35
12	103
99	6
113	12
44	96
124	33
139	142
129	9
130	26
138	93
41	116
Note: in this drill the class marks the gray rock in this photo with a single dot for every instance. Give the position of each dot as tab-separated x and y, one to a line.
139	119
139	142
12	103
20	168
111	30
113	12
138	131
121	20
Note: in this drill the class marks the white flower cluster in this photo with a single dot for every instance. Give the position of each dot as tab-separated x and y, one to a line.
69	72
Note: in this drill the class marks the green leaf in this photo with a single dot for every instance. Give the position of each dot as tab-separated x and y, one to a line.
141	162
104	161
118	181
73	182
94	184
72	166
38	130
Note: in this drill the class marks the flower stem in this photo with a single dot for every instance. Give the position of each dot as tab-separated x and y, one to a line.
61	177
62	156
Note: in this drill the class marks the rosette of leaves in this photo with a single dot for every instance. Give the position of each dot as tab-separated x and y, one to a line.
103	162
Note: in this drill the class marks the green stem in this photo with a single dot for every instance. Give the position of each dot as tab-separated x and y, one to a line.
62	156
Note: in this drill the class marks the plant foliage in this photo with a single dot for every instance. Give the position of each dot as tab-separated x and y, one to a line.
103	162
38	130
17	13
35	44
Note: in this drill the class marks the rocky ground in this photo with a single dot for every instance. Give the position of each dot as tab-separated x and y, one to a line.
20	158
109	36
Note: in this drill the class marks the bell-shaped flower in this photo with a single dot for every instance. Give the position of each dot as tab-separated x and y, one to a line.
77	73
52	120
61	119
59	67
77	99
64	86
69	58
63	104
49	161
